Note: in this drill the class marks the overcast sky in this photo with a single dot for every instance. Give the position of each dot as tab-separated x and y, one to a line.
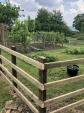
69	8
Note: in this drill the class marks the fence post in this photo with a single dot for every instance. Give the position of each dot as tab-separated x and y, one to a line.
43	80
0	60
13	60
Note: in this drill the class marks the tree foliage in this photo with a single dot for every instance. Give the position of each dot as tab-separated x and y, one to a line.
79	22
52	38
48	29
50	21
20	34
42	20
56	21
8	14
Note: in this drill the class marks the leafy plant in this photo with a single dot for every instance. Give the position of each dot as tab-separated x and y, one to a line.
79	22
50	21
53	38
49	58
8	14
75	51
20	34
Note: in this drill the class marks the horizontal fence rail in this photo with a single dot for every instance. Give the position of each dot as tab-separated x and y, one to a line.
63	97
23	73
61	83
64	63
24	58
24	92
21	95
23	88
68	107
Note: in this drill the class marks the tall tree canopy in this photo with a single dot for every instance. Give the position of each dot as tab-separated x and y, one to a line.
50	21
42	20
79	22
56	21
8	14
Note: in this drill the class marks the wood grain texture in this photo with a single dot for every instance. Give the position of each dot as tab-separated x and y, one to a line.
64	63
69	107
23	73
24	58
61	83
43	80
25	100
23	88
63	97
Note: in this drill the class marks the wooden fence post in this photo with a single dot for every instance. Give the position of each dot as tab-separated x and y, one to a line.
13	60
43	80
0	60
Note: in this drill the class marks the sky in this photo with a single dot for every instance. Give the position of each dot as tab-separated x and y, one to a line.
68	8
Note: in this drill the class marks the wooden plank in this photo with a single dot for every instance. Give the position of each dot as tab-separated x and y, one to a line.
63	82
24	74
64	63
63	97
13	60
24	58
6	78
69	107
20	95
43	80
31	106
24	88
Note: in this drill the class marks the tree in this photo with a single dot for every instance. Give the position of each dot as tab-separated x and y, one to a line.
50	21
42	20
19	34
66	30
79	22
8	14
56	21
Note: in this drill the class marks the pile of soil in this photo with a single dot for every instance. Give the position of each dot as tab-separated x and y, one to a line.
14	106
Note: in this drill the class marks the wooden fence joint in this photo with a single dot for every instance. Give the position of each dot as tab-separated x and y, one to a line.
43	80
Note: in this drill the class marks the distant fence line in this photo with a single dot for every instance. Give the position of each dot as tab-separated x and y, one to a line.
41	101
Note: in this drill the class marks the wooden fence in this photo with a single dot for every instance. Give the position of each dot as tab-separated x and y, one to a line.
41	101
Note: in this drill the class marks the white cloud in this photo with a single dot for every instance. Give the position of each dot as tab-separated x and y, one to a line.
61	8
75	7
78	5
30	7
49	3
69	15
14	3
69	10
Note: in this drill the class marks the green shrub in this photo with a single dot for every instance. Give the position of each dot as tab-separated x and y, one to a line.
75	51
49	58
79	36
50	38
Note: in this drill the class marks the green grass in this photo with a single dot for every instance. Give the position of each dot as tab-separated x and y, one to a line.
53	74
4	93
